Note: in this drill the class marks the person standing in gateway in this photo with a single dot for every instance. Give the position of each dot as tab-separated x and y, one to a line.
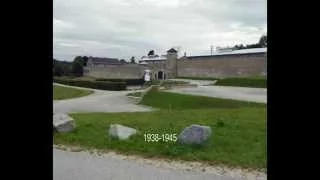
147	76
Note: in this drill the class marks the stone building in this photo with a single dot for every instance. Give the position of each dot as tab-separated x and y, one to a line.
237	63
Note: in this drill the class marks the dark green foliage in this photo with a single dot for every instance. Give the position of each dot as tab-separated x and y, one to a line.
104	85
263	41
127	81
77	66
62	68
132	60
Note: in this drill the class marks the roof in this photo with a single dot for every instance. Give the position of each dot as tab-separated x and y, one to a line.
99	60
153	58
172	50
236	52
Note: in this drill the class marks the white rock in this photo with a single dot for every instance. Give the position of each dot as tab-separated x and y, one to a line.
121	132
63	123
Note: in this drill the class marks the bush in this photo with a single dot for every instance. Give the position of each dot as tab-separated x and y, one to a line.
127	81
105	85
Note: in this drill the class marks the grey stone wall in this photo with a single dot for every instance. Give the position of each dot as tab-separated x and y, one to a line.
223	66
209	66
127	71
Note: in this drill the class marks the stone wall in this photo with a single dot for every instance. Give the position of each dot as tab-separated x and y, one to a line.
223	66
126	71
198	66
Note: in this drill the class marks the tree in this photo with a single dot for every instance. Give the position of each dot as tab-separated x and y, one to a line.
62	68
85	60
58	70
151	53
263	41
123	61
77	66
132	60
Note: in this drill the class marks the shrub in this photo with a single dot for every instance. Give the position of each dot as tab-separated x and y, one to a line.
103	85
127	81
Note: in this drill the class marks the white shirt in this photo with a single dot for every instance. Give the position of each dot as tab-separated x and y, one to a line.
147	77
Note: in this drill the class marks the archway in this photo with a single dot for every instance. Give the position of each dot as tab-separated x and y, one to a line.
160	75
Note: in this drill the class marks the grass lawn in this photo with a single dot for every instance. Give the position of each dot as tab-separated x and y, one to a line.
60	92
254	81
239	130
175	101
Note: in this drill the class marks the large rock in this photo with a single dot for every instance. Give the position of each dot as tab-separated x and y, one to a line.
63	123
121	132
194	134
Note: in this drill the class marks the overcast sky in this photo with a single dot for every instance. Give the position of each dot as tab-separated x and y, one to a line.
125	28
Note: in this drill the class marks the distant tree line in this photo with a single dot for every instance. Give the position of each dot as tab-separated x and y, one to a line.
261	44
74	68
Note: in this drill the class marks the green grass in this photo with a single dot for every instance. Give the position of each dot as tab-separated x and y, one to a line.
174	101
238	140
239	135
60	92
171	82
253	81
243	82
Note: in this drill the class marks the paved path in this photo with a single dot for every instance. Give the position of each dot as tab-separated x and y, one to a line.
197	82
238	93
99	101
85	166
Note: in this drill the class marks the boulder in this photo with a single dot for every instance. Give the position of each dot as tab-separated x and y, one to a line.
195	135
121	132
63	123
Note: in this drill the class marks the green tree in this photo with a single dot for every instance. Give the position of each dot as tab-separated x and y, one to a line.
151	53
58	70
263	41
85	60
132	60
77	66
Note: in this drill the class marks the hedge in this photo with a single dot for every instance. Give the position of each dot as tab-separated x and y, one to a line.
103	85
127	81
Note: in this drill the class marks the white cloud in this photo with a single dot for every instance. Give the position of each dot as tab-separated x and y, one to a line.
125	28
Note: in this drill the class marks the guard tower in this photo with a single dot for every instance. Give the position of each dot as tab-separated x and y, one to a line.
171	63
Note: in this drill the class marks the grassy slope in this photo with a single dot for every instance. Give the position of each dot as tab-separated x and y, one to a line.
254	81
60	92
174	101
243	82
239	129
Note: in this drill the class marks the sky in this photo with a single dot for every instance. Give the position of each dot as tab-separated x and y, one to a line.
125	28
